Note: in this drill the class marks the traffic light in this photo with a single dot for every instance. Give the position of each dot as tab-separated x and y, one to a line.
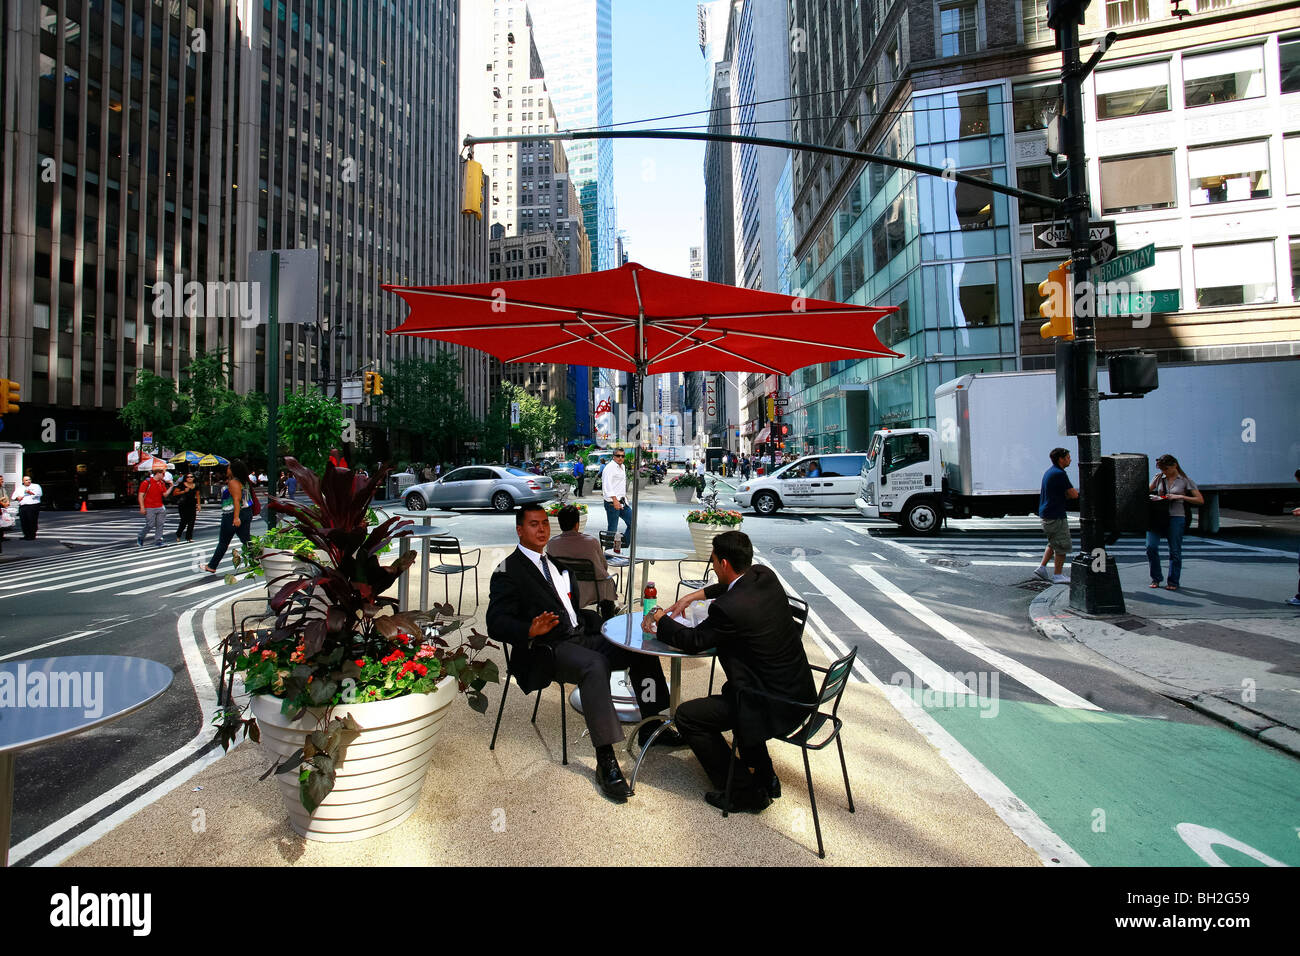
1061	12
472	203
1057	305
368	383
378	385
771	407
9	396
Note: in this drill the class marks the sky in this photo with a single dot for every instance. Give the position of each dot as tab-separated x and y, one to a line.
659	185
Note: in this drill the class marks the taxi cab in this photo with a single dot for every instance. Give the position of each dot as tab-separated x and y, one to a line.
814	481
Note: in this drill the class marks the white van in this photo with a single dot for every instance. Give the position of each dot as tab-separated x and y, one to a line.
814	481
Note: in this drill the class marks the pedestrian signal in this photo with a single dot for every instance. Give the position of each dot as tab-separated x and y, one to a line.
1057	305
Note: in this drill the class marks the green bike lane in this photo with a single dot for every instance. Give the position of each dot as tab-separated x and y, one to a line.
1128	790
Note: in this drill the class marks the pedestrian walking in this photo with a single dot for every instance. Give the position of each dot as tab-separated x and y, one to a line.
291	486
700	469
153	491
186	495
613	483
236	512
28	499
1055	491
580	474
1170	489
336	459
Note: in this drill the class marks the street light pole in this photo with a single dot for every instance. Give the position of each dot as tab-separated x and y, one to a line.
1094	578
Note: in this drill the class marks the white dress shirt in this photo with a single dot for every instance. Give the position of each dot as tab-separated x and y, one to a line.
613	481
27	495
559	578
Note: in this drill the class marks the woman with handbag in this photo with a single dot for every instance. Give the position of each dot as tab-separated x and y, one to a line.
1171	492
236	511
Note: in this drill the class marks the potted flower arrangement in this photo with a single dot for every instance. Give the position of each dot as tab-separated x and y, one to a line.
708	522
349	701
277	555
685	486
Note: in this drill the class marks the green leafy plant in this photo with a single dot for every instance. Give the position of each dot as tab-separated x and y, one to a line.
686	480
283	537
555	507
360	648
715	516
310	424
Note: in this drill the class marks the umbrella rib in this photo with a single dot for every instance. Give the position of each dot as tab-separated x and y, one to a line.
613	347
688	334
793	341
509	302
664	356
746	358
490	327
560	345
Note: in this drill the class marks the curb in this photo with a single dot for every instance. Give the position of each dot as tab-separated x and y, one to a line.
1050	618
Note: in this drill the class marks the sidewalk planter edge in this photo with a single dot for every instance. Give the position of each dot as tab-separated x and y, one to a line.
702	535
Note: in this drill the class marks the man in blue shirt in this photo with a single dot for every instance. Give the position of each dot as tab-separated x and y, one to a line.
1056	489
580	473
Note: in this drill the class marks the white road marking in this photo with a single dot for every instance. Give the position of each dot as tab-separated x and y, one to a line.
879	557
907	655
852	542
207	702
1043	686
61	640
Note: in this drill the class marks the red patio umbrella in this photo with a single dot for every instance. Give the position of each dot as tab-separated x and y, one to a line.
637	320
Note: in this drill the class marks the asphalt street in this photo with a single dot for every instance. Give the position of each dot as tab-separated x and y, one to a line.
1063	745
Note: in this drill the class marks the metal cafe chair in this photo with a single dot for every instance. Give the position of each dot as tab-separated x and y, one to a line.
581	569
832	689
505	690
446	547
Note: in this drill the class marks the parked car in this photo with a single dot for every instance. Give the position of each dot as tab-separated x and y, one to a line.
814	481
500	487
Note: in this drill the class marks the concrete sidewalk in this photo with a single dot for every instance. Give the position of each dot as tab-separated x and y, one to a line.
518	806
1225	643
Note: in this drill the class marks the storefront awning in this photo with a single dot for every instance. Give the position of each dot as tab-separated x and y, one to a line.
764	434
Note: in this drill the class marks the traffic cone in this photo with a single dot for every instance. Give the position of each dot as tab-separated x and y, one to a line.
83	507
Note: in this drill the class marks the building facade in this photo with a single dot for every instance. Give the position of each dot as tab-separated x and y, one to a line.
1189	133
152	141
577	48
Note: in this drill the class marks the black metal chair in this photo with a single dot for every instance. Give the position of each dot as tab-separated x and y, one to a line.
606	543
564	710
581	569
695	581
833	684
447	546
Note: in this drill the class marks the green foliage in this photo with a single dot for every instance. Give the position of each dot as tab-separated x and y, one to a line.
309	426
424	401
201	412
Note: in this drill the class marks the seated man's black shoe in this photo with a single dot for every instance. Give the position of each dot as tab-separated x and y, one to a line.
772	786
753	800
666	738
610	778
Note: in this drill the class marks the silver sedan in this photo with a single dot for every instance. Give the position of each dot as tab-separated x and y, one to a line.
480	486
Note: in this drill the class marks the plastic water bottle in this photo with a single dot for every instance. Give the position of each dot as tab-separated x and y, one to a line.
650	598
618	542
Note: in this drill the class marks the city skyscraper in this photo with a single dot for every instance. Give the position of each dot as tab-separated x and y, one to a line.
148	141
575	38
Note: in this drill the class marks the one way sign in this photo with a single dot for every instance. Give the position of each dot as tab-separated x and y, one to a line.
1100	231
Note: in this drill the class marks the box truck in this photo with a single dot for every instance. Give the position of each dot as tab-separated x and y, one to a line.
1231	425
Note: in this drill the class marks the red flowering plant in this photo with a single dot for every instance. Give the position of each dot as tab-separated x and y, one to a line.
337	640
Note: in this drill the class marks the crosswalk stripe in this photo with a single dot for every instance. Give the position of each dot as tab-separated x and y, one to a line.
907	655
1038	683
168	569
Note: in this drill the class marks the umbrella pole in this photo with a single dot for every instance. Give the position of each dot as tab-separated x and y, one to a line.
636	471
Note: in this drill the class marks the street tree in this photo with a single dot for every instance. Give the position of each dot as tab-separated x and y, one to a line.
424	404
309	426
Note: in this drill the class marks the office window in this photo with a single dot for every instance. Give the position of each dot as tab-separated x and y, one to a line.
1039	179
1223	77
888	235
1033	104
976	288
974	204
958	27
1238	274
1291	160
1295	268
1228	173
1288	55
1122	13
1133	90
1136	183
1033	17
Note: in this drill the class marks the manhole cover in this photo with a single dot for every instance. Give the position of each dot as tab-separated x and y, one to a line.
1130	623
797	552
948	562
1034	585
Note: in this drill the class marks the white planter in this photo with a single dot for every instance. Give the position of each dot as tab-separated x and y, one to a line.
684	495
379	775
555	524
702	535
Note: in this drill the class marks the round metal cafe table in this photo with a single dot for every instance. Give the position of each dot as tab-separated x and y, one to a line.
624	630
49	698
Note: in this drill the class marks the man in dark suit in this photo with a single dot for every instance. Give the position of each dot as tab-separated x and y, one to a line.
758	643
572	543
530	604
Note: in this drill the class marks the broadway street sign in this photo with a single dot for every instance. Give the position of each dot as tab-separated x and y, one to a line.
1126	264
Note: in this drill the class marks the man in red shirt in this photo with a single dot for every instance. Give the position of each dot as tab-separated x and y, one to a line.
152	490
336	459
